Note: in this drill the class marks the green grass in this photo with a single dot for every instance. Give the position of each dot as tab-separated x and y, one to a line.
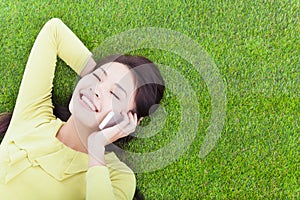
254	44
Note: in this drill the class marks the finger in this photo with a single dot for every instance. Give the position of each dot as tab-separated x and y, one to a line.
131	118
139	121
133	122
135	119
128	125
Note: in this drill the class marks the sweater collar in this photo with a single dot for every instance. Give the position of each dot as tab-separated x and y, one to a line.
40	147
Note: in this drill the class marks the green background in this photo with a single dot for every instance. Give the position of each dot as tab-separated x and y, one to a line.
254	44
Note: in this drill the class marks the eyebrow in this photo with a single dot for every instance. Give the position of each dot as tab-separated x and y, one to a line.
105	73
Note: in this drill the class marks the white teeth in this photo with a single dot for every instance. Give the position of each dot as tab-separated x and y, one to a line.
89	103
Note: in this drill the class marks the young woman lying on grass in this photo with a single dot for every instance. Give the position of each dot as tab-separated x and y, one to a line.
43	157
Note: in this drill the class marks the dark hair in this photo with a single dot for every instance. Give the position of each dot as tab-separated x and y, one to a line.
150	90
4	123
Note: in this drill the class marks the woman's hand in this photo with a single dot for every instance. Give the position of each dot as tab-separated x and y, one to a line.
98	140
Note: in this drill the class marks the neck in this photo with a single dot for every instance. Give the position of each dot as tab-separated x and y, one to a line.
72	136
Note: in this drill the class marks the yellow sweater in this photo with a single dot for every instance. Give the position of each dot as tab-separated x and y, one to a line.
34	164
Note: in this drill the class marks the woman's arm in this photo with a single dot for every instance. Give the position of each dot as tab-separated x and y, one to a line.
119	184
116	184
55	39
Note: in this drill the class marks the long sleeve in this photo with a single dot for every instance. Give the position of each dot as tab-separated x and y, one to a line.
55	39
118	183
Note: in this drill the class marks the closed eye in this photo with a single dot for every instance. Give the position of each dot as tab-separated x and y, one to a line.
97	77
115	95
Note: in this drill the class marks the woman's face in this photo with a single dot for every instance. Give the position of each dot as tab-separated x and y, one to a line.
109	88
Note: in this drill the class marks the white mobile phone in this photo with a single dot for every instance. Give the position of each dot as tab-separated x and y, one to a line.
110	120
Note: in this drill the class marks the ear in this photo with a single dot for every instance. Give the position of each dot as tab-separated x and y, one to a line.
138	123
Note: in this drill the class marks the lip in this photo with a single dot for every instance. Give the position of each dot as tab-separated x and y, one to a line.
87	102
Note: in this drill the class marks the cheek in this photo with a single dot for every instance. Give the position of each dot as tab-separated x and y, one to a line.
123	105
131	101
118	105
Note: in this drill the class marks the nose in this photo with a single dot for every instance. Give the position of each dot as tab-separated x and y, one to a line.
94	98
95	93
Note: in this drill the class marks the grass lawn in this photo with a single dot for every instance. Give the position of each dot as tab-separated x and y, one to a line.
255	46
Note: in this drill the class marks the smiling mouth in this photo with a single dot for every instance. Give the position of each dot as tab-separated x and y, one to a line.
88	103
